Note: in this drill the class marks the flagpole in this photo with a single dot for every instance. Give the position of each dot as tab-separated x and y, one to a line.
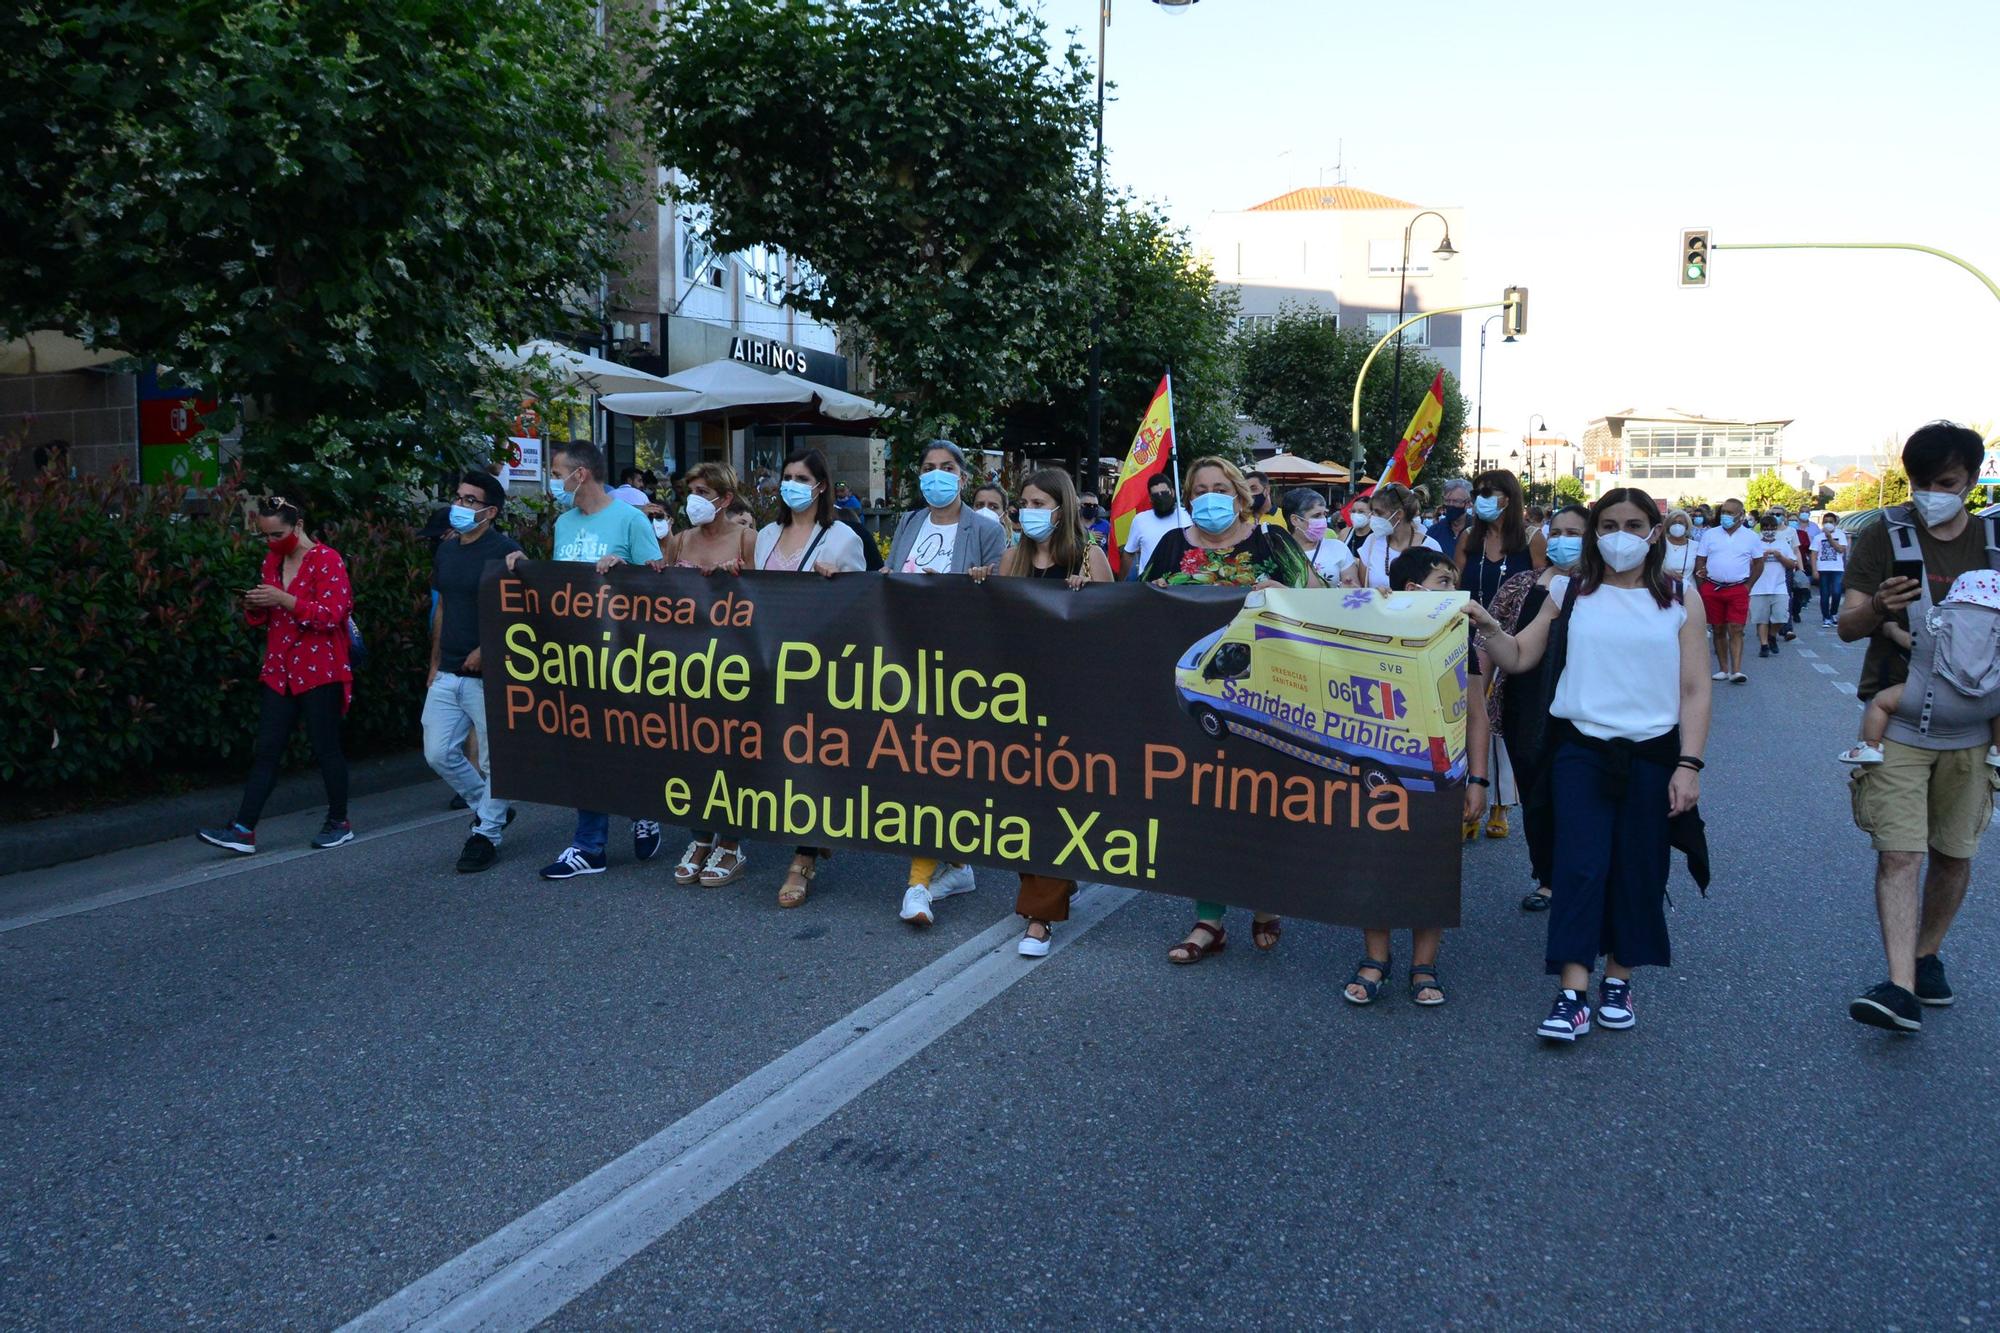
1174	440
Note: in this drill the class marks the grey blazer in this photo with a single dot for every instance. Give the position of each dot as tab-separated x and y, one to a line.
980	540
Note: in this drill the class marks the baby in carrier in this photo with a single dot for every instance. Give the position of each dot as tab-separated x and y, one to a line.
1963	675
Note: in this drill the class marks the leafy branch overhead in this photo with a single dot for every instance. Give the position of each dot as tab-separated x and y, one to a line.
320	209
925	162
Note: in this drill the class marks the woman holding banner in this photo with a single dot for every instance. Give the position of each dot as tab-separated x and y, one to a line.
1628	725
1226	546
711	544
1054	545
1390	520
941	537
806	538
991	501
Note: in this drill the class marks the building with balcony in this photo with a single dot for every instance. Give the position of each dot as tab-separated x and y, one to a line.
1670	453
1340	249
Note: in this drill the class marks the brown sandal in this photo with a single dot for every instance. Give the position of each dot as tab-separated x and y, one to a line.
798	880
1193	951
1264	934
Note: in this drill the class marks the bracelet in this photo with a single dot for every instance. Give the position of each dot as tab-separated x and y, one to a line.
1690	761
1478	782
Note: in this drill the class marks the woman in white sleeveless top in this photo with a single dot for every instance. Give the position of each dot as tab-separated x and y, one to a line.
1630	721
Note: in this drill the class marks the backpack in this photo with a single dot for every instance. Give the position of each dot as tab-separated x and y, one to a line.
1964	656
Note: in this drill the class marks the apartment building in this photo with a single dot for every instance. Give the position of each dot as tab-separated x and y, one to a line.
1671	453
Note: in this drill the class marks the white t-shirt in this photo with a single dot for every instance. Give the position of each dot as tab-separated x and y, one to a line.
1376	557
1679	562
1729	553
1147	529
1622	678
930	553
1830	550
1774	575
1331	558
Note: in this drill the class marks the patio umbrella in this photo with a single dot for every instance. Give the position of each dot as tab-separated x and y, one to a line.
1290	467
732	391
594	374
45	352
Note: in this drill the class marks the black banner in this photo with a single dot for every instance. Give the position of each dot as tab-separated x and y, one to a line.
1297	751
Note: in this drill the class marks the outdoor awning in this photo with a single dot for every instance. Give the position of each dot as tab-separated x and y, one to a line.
744	394
1290	467
592	374
46	352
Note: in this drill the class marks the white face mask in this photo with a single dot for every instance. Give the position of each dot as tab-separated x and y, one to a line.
1362	522
1936	507
1623	552
701	510
662	528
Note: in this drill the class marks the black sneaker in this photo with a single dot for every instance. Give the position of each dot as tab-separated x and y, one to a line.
573	862
332	833
1932	988
1774	644
645	839
231	838
1537	901
508	822
1763	650
457	803
1569	1019
1614	1005
479	853
1887	1005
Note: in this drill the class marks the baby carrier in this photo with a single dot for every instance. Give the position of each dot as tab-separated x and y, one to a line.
1954	682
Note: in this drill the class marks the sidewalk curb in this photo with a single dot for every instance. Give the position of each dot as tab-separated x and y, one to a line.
60	839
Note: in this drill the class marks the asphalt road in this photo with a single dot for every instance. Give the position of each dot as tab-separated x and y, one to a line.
314	1088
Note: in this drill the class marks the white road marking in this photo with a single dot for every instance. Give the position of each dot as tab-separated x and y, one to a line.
1823	668
237	865
1808	654
535	1265
1845	686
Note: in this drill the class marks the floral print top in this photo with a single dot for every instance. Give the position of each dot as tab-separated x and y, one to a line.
306	647
1267	553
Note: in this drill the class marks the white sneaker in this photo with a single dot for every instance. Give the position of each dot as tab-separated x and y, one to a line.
916	905
1720	675
952	881
1034	948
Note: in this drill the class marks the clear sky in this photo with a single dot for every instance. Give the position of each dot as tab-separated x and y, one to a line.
1580	139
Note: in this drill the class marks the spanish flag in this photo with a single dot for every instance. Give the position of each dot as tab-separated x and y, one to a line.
1152	447
1415	446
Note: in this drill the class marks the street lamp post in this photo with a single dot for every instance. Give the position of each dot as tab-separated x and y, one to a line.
1479	426
1533	417
1095	415
1444	252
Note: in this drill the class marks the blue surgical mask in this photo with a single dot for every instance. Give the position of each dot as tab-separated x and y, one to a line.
796	494
939	487
1486	508
1214	512
1565	551
463	519
1727	521
561	494
1037	524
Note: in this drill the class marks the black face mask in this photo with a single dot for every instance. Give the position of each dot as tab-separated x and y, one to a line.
1089	513
1163	504
1258	503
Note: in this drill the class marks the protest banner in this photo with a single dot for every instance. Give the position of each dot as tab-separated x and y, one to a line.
1295	751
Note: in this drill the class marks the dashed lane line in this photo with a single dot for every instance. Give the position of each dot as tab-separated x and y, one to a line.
1823	668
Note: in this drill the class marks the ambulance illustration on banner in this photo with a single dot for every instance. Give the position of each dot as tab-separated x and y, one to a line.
1347	679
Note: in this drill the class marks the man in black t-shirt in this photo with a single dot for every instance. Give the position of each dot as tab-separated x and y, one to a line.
455	699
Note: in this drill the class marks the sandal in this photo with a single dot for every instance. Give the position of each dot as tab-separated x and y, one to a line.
724	864
1538	901
798	880
1264	934
688	869
1417	988
1192	950
1369	988
1864	752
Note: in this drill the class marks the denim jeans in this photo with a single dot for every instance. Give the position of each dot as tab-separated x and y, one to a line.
1832	585
454	706
593	827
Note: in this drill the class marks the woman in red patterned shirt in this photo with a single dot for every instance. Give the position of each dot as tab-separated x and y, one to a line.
303	601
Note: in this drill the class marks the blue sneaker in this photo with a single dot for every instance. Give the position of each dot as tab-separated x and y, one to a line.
333	833
1569	1019
645	839
234	838
573	862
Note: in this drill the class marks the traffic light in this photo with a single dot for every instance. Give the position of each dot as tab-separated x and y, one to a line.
1514	312
1694	258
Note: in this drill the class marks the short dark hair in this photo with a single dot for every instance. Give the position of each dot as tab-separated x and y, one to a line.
488	484
1158	480
629	475
1933	447
1252	474
584	454
1414	566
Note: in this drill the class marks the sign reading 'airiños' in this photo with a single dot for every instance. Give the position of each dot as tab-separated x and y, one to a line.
1296	751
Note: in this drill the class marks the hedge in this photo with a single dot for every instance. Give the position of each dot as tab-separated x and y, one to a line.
123	650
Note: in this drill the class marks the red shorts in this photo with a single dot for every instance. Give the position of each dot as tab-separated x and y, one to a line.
1726	606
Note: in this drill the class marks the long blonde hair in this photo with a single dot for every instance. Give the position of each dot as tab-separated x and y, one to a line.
1067	546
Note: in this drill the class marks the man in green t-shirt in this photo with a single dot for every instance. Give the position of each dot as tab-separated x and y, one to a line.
1930	795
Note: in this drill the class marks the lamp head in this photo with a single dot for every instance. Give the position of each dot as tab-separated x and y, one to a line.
1444	250
1176	7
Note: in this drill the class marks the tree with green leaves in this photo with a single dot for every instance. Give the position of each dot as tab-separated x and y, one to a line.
318	211
1892	489
1568	490
1296	379
1768	490
922	159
